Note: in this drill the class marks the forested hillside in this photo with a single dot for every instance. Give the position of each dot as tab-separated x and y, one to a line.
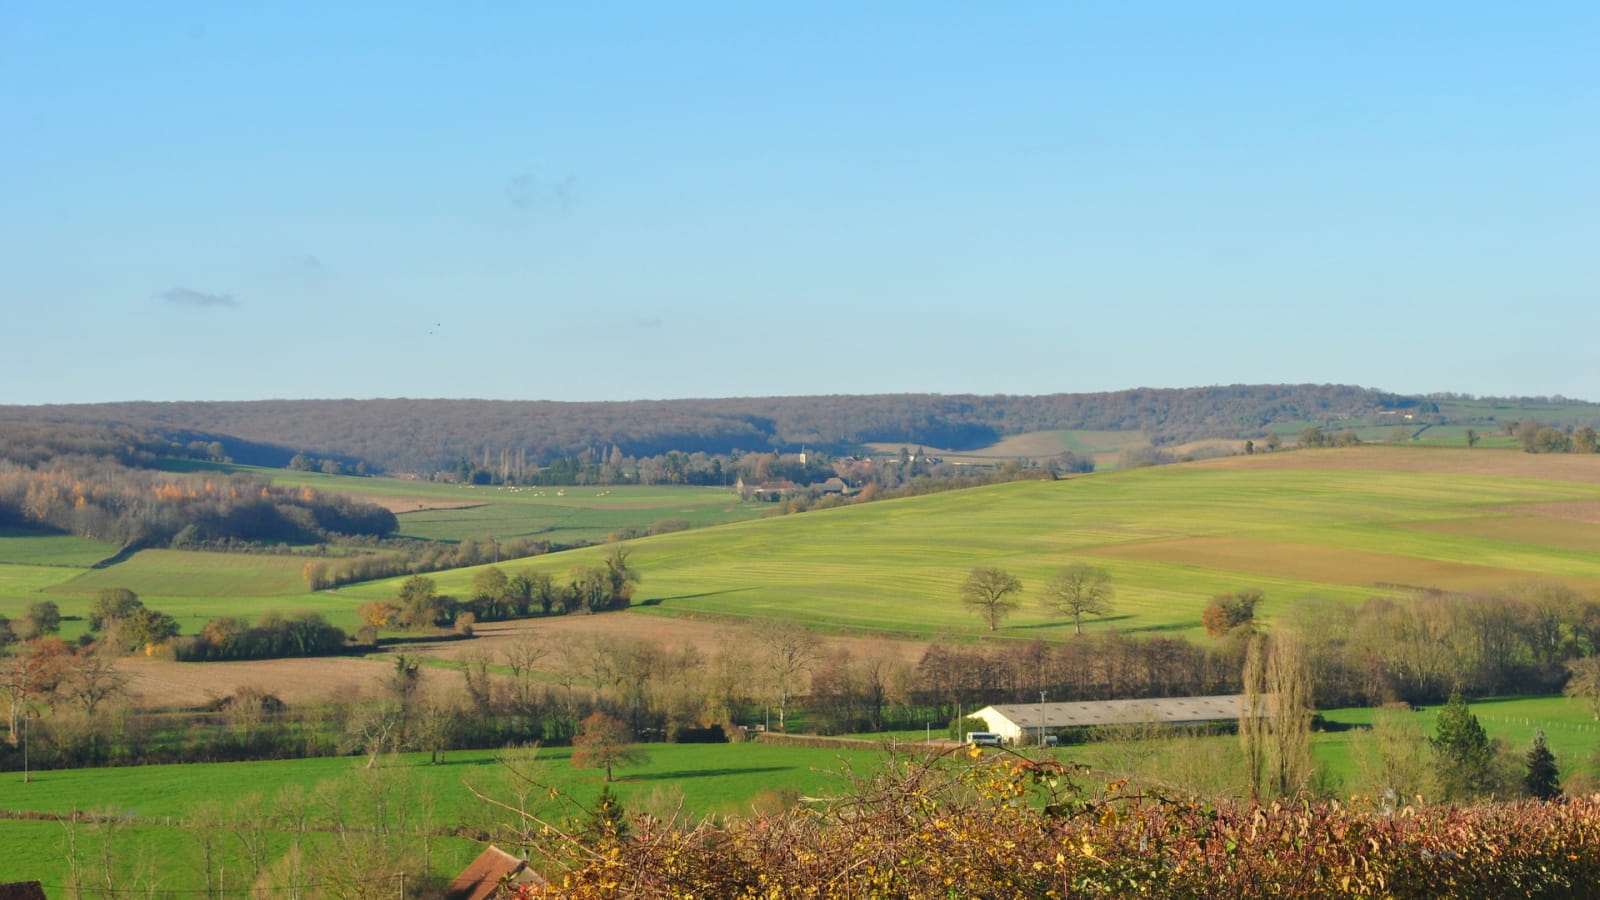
98	483
423	435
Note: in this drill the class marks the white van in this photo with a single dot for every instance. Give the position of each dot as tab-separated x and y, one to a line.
985	739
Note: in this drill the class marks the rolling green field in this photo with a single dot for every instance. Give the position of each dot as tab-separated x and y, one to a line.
1343	524
567	515
1171	537
710	779
197	586
561	515
42	549
191	585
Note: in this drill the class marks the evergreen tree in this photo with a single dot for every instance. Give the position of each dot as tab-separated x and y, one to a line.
1543	780
608	823
1462	753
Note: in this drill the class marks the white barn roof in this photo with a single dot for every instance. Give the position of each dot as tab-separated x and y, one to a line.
1166	710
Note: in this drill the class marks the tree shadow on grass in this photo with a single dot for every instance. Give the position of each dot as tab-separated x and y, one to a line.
656	601
707	773
1066	624
1152	628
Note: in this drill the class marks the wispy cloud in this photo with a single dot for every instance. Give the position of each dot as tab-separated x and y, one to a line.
525	192
182	296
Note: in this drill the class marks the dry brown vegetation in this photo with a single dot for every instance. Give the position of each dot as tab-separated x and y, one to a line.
158	684
1434	460
1537	528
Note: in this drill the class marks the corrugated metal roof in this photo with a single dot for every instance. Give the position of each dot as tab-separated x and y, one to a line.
1168	710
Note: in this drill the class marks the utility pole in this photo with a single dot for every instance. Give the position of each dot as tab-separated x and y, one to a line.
1041	718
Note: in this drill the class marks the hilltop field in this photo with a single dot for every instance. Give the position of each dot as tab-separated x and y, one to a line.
1341	524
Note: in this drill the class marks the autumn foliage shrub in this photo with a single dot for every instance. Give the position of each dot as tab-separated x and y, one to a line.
1002	825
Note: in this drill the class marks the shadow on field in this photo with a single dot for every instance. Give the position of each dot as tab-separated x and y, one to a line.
708	773
656	601
1175	627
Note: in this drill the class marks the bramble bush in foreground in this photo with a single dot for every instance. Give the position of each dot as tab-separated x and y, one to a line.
1004	825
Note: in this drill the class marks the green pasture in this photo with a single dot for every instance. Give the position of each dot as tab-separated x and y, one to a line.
193	573
40	548
571	515
1570	731
440	511
708	779
1569	727
1171	537
21	585
193	586
1502	411
560	514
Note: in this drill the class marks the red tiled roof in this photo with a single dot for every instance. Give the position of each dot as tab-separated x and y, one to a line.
493	867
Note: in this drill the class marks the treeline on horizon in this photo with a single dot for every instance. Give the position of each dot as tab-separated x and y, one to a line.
422	435
94	483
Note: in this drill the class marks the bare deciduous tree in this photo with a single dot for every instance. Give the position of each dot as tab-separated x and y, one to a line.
787	653
989	591
1078	590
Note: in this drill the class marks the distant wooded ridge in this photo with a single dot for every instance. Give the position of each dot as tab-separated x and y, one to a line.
421	435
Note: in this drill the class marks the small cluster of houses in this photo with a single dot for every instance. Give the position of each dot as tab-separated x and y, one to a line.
771	489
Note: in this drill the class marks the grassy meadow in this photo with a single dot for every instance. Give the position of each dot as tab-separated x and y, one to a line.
1569	727
44	549
195	586
1342	524
562	515
707	779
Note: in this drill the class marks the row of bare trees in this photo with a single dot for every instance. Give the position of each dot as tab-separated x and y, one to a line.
1423	648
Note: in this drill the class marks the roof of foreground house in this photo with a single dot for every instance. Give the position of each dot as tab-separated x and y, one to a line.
22	890
492	869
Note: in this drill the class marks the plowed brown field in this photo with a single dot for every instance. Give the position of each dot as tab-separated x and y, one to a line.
1445	460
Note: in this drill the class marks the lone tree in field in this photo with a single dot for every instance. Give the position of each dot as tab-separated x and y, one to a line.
603	742
1078	590
989	591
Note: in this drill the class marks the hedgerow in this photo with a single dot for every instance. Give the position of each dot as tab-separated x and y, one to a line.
1010	826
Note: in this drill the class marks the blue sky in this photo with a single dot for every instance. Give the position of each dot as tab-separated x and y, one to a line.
617	201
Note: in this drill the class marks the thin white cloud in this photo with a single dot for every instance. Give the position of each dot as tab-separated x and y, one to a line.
182	296
525	192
